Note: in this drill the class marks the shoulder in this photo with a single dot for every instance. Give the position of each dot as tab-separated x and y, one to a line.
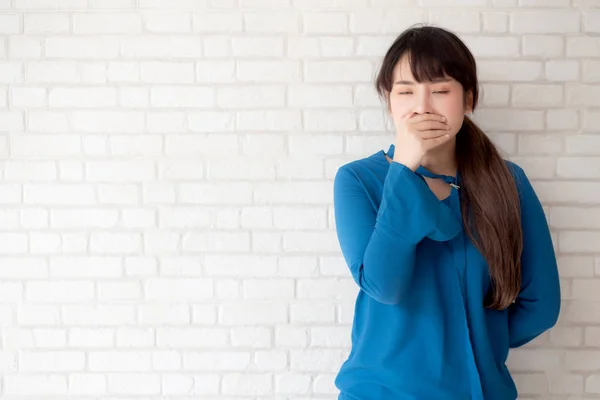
524	186
363	169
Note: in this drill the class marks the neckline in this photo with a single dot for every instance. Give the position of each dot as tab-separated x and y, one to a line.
421	170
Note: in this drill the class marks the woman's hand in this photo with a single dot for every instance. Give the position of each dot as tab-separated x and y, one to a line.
416	135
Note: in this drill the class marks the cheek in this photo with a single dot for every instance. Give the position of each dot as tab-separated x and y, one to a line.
452	108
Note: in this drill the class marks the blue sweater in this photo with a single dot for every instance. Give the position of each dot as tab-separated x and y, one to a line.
420	329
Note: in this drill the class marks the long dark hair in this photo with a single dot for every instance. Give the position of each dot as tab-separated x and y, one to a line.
489	198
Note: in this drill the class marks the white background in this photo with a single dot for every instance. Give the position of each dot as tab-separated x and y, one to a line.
166	225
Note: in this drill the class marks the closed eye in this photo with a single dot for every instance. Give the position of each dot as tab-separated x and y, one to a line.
442	91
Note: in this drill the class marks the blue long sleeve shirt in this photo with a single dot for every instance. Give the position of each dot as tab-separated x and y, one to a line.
420	330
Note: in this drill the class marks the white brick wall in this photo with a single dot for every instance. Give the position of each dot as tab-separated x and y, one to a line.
167	225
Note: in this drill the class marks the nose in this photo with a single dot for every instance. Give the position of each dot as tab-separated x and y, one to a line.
423	104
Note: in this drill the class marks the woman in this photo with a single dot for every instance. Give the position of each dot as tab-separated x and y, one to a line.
447	241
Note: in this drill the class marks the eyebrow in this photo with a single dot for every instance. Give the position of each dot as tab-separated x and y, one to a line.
438	80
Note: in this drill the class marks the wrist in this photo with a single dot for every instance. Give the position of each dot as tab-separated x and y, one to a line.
412	165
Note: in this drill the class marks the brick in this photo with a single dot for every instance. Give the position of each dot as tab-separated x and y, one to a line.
140	47
91	337
119	171
320	47
87	384
288	120
167	72
97	48
178	289
272	22
583	46
108	121
312	313
562	120
517	71
123	72
495	22
324	23
180	96
580	360
167	22
590	71
158	314
258	46
337	71
217	22
534	360
115	243
494	94
509	119
256	337
558	70
176	384
537	95
134	384
312	360
28	97
332	120
135	337
543	45
268	71
252	313
10	24
582	167
582	144
574	217
492	47
101	314
51	361
59	291
317	96
113	4
540	144
255	96
82	97
379	21
181	170
119	361
591	21
101	23
13	243
566	336
456	21
578	241
183	4
30	385
545	21
11	72
213	361
50	5
299	218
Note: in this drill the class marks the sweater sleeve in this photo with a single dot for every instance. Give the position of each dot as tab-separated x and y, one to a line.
537	307
379	246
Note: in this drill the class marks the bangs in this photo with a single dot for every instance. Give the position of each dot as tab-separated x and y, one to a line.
427	60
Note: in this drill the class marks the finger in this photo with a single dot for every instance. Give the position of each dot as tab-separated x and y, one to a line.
431	125
426	117
432	134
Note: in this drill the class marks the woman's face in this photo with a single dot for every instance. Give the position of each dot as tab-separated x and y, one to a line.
443	97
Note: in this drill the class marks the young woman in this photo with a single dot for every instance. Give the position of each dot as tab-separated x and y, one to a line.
447	241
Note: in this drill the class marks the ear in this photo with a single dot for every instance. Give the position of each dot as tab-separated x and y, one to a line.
469	102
